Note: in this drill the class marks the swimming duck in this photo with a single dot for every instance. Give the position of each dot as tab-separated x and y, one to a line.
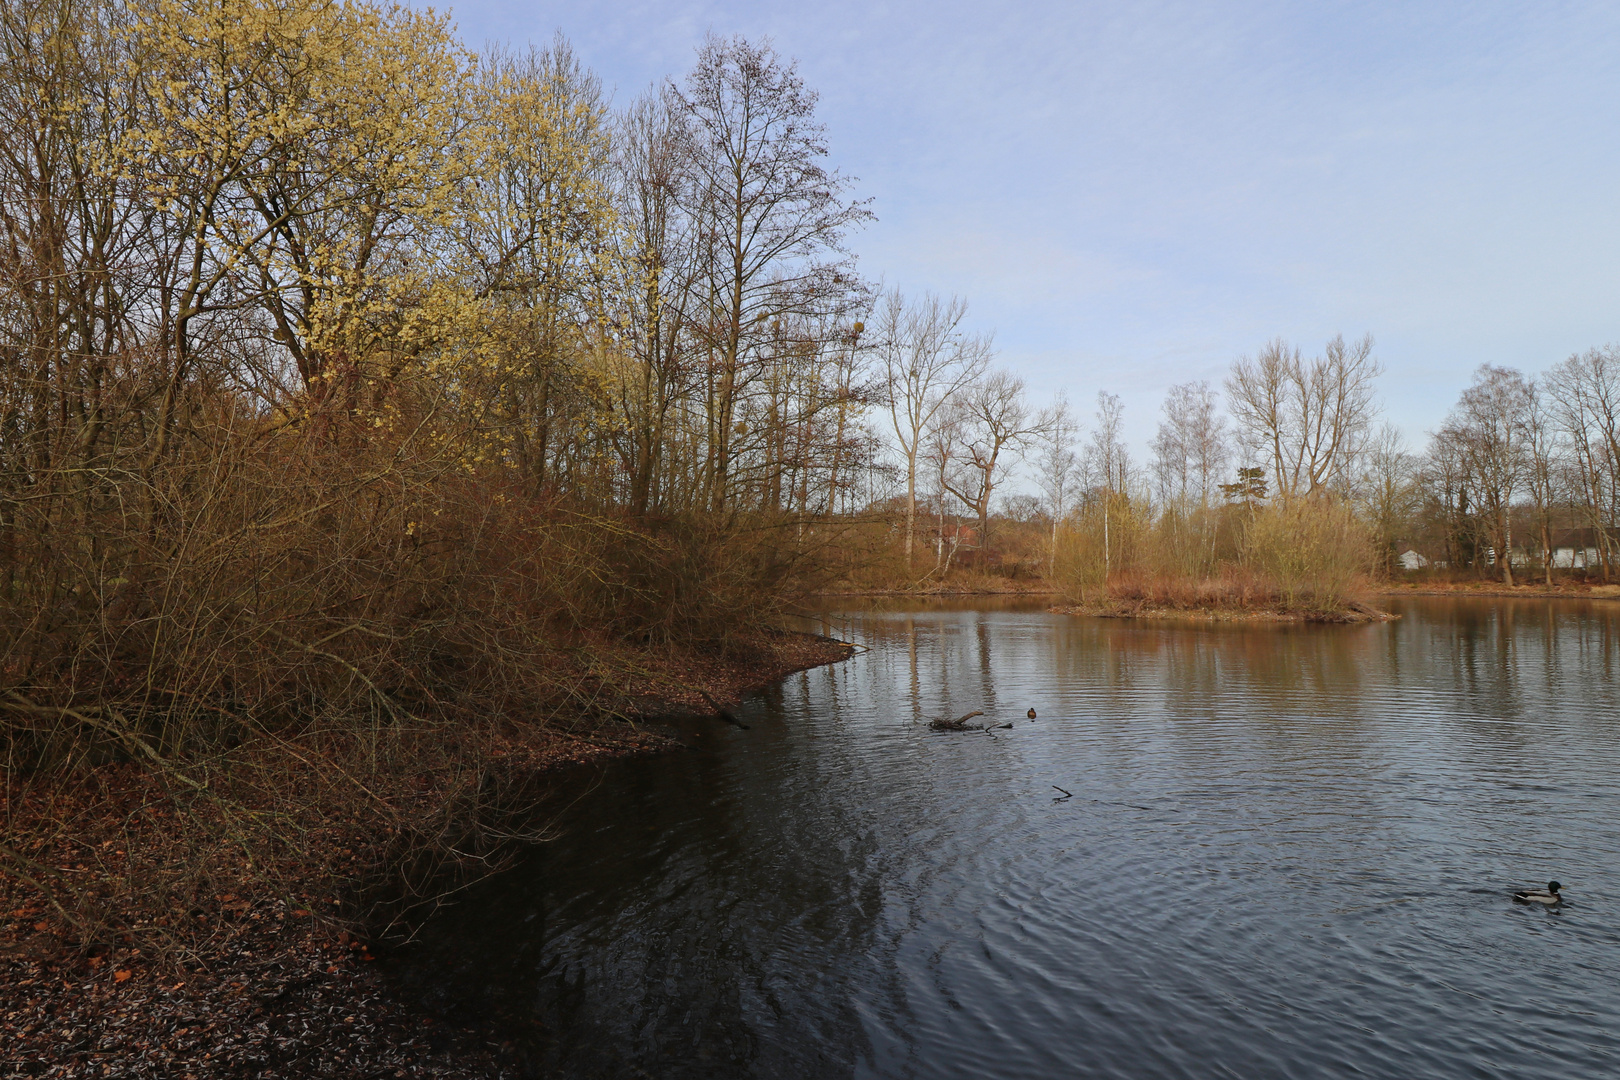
1030	714
1549	895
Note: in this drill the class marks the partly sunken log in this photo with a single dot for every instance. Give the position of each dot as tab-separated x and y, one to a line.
961	724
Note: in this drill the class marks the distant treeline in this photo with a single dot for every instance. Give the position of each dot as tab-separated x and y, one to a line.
1296	481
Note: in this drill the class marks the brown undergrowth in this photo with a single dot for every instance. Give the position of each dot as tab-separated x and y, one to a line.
167	930
304	682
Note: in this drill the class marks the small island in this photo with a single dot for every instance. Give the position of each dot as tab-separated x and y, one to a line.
1354	611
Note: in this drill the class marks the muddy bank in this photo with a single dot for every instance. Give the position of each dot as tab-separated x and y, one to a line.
274	975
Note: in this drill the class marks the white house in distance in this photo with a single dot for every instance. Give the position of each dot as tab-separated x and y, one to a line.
1412	560
1572	549
1575	549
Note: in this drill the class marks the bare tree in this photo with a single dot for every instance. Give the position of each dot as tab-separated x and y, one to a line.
1584	395
1390	491
1543	460
1107	466
1308	421
927	360
852	393
1107	461
654	261
808	388
939	454
1488	428
994	424
772	217
1191	448
1057	469
1447	485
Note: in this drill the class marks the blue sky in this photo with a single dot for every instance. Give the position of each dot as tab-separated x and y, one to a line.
1133	194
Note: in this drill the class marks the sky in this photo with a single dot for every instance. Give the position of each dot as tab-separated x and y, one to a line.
1132	195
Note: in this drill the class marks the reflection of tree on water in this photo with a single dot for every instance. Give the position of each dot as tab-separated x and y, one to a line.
650	936
950	659
1195	663
1521	665
838	889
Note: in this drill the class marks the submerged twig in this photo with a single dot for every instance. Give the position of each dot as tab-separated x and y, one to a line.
720	711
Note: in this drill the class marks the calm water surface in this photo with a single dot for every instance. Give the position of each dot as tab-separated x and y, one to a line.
1288	853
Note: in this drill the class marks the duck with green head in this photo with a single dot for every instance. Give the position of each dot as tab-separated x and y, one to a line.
1549	895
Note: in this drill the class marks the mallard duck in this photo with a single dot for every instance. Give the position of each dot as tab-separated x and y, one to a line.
1549	895
1030	714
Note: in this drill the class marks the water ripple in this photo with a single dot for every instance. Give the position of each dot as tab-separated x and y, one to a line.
1287	854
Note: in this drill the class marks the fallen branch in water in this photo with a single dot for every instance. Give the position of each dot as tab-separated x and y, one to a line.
959	724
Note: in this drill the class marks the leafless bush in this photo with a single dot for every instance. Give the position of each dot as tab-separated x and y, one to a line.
1314	551
329	617
1308	555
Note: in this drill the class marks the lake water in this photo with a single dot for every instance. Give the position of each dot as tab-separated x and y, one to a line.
1288	853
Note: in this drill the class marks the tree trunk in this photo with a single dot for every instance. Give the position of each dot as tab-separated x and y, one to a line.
911	511
1546	552
1505	555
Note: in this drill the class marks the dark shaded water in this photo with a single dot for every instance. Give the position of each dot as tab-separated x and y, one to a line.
1288	854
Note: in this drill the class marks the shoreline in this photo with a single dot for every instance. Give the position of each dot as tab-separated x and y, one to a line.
1355	615
287	984
1360	613
1500	591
